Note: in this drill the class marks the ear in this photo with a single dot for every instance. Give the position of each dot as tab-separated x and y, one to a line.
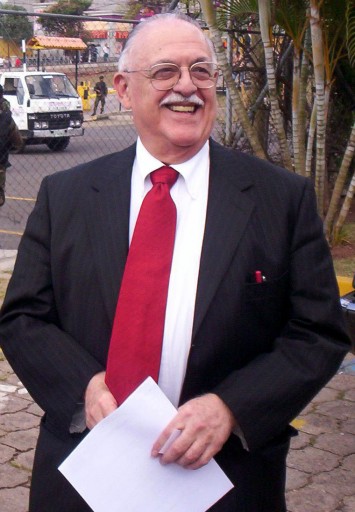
121	85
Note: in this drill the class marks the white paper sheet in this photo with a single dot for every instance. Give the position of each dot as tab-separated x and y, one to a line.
113	470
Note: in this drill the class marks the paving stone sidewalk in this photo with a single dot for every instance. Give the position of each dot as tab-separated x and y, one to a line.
321	463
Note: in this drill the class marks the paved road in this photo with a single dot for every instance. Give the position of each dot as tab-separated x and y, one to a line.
102	136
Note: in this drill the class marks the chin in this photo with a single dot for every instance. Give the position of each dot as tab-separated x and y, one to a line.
187	139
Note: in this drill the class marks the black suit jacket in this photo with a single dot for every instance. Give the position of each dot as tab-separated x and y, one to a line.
266	349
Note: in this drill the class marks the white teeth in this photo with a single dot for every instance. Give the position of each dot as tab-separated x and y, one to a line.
182	108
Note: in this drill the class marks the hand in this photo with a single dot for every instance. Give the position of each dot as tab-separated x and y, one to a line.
205	423
99	402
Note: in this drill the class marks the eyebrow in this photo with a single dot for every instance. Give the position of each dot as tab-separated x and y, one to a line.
165	61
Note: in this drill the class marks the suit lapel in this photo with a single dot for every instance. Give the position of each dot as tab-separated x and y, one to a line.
228	212
108	218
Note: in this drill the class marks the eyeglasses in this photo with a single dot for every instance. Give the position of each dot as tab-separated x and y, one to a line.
165	76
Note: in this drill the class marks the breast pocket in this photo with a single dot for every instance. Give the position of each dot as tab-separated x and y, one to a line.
265	309
268	288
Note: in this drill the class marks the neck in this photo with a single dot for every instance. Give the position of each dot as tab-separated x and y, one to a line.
171	156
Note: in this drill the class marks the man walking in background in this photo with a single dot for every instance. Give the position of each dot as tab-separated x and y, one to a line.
101	93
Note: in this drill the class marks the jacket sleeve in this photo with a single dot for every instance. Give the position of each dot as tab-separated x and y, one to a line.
52	365
270	391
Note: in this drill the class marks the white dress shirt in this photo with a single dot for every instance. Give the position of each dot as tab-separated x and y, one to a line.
190	196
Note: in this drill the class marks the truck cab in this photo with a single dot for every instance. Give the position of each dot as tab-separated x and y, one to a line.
45	106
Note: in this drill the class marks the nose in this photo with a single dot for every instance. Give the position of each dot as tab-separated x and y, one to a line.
185	85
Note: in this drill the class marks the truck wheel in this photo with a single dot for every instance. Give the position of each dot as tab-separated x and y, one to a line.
58	144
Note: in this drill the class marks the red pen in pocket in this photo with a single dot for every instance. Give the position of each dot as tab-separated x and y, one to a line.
258	276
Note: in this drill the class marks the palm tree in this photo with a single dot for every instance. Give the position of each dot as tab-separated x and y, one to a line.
266	35
292	17
289	15
237	102
243	8
323	33
319	78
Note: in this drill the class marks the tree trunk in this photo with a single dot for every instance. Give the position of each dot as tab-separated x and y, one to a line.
318	65
310	141
338	189
265	28
296	111
302	103
344	209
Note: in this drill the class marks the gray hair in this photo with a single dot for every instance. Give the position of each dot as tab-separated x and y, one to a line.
127	51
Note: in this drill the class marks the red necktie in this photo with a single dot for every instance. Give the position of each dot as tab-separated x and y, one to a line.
137	334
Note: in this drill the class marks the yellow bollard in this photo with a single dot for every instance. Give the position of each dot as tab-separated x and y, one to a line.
345	285
83	91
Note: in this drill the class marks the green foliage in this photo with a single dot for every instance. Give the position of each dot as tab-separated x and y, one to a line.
240	7
291	17
343	236
12	27
236	12
66	27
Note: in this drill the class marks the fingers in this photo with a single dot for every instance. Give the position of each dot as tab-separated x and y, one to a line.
197	456
190	455
205	424
99	402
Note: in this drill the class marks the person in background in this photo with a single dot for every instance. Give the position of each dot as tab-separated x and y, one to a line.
8	64
4	104
252	324
106	52
9	138
101	93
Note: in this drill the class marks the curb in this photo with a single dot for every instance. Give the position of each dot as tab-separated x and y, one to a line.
125	115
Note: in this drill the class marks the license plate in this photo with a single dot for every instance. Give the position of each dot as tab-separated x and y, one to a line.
68	132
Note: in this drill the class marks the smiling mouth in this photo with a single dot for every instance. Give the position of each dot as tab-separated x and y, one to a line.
183	108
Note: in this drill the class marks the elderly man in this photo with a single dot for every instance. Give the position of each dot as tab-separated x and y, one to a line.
223	281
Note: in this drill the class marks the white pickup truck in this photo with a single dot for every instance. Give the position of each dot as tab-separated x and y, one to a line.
45	106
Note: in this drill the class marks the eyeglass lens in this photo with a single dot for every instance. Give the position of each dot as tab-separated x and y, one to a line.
165	76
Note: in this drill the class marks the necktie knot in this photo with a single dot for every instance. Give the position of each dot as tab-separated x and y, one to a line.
166	175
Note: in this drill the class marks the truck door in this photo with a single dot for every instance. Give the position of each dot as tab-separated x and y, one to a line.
14	93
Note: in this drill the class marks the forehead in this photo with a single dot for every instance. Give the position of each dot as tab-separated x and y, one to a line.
167	39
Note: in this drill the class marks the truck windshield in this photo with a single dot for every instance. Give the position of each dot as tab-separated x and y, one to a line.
50	86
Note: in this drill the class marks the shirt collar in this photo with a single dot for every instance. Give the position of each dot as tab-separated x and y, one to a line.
189	170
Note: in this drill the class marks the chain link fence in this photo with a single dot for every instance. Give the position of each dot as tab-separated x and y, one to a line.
106	133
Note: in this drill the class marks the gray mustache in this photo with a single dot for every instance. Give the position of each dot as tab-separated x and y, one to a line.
175	97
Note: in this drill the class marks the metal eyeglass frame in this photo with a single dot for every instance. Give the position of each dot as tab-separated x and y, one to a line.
156	81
